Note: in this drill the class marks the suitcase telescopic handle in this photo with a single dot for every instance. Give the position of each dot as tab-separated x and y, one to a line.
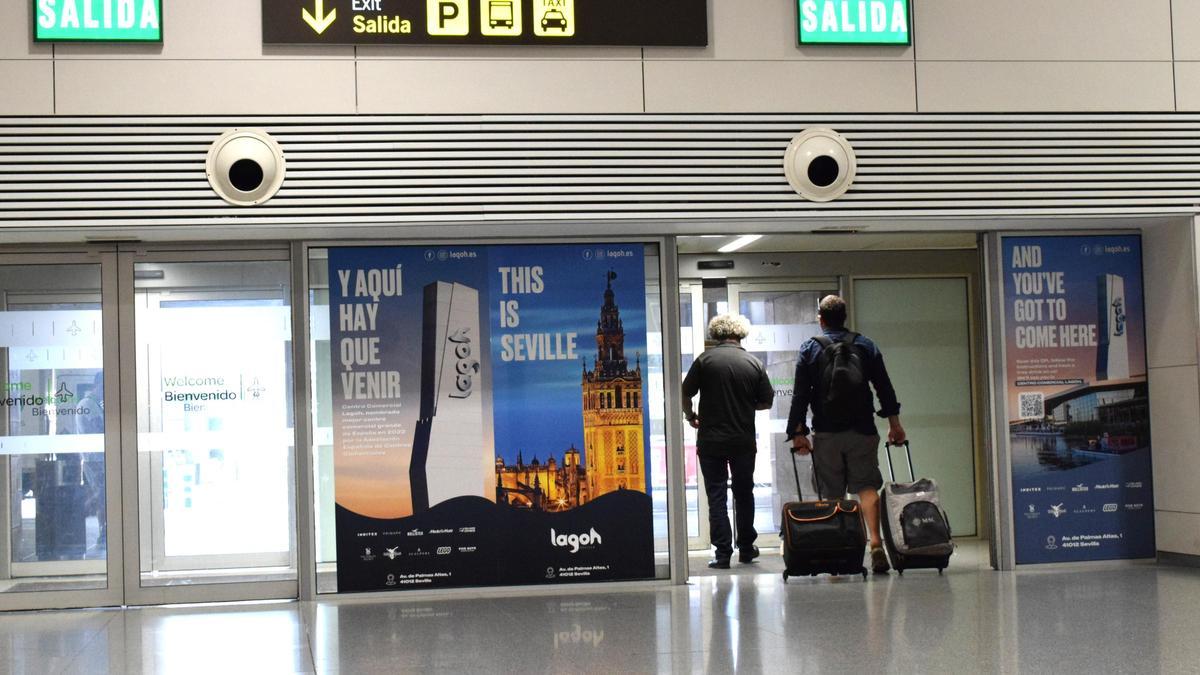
887	446
796	473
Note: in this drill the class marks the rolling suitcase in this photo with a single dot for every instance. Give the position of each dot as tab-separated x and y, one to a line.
822	536
916	531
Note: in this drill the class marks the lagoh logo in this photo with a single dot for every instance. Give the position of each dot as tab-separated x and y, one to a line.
575	541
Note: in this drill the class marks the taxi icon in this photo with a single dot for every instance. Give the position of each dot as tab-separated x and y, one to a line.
554	18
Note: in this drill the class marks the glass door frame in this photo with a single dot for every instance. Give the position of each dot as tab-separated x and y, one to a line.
112	593
135	519
699	325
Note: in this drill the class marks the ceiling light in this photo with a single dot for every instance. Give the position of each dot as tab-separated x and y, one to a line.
739	243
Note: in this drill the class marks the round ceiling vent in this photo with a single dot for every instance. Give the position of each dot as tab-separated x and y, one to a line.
820	164
245	166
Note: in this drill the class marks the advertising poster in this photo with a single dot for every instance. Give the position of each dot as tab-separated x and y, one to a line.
1079	418
489	417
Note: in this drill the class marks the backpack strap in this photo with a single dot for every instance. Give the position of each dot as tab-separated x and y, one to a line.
823	355
822	362
823	358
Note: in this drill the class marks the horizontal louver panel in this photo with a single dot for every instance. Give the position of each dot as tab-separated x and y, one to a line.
404	169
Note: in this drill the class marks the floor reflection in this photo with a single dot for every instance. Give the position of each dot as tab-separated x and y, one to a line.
1138	618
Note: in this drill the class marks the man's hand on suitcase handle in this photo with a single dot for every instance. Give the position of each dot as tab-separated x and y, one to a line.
896	435
801	445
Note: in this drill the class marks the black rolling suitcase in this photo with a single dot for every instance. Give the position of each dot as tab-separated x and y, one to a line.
916	531
823	536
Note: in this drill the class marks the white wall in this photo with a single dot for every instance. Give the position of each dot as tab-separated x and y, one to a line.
1170	256
969	55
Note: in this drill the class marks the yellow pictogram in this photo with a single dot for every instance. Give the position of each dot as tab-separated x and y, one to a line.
447	17
320	20
500	18
554	18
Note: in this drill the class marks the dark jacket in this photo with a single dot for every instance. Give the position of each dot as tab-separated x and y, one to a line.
732	384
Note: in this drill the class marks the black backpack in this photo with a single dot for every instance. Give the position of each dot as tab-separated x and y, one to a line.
843	374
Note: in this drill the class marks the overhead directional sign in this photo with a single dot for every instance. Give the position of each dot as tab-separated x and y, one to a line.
318	20
97	20
485	22
854	22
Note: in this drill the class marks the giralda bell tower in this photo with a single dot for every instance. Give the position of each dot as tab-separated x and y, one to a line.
612	408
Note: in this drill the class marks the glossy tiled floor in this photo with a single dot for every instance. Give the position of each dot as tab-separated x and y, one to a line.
1141	619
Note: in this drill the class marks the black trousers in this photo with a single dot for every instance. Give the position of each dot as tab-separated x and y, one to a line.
716	471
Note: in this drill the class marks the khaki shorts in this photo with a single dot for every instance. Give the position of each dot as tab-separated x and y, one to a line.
845	461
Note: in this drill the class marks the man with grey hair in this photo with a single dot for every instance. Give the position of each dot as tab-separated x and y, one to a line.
732	384
833	372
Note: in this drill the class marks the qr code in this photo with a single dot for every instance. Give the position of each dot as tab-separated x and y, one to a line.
1032	405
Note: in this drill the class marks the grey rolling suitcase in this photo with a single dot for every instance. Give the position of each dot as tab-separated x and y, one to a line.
916	531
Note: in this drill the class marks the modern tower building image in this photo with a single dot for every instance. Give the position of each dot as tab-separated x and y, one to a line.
1112	354
449	434
612	407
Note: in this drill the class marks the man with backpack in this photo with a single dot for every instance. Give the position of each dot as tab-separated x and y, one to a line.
834	374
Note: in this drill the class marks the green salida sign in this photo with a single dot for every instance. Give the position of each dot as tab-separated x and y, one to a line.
854	22
97	20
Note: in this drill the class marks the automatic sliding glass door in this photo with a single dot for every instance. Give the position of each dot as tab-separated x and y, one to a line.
215	423
146	428
58	503
782	316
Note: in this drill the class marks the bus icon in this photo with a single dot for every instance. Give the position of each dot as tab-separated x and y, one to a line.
500	13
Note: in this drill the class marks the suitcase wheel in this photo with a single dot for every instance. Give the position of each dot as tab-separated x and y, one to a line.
940	571
785	577
864	575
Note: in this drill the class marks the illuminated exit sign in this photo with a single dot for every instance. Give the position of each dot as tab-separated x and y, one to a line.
549	23
97	20
854	22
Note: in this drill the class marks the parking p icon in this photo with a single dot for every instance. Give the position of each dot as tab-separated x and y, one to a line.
447	17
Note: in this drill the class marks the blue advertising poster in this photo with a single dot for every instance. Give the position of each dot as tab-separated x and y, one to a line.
1079	415
489	416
